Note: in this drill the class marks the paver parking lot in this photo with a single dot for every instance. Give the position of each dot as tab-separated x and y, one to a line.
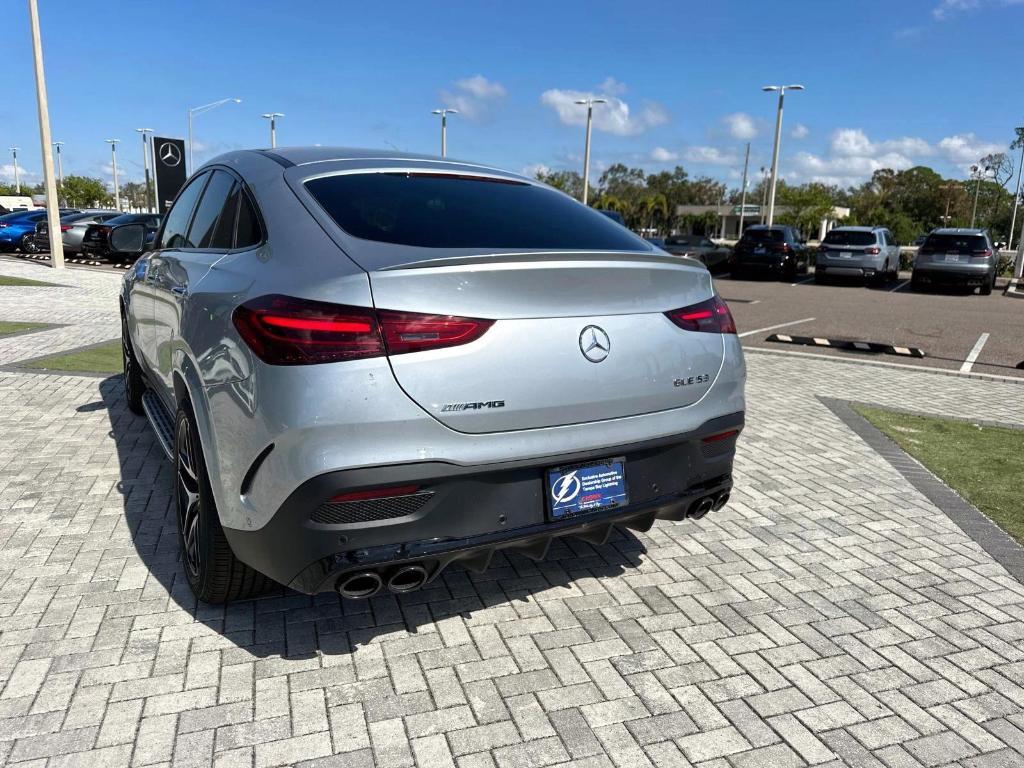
830	615
945	324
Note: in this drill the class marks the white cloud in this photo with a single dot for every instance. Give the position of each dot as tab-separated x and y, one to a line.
947	9
474	97
614	117
710	156
799	131
966	148
612	86
27	177
740	125
662	155
532	171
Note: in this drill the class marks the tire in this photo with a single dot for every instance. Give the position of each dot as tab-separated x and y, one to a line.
213	572
915	283
134	381
819	277
986	289
27	244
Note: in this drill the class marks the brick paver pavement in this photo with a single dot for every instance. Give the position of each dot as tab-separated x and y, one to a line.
829	615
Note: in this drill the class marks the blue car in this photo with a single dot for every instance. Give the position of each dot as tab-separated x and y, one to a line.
17	229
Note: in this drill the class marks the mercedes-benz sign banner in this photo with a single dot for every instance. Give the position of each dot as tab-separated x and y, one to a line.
169	163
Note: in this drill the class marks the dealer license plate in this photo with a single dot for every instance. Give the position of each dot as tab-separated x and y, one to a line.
586	488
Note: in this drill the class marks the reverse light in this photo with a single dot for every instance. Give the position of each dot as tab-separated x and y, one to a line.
711	316
282	330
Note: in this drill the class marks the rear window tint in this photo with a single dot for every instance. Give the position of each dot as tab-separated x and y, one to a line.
849	237
434	210
954	243
764	235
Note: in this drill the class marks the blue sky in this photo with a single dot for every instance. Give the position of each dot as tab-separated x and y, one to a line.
889	83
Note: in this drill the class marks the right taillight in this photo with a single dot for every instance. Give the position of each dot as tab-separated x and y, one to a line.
282	330
711	316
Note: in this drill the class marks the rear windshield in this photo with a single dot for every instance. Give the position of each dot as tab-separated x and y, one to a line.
954	244
684	240
764	235
849	237
431	210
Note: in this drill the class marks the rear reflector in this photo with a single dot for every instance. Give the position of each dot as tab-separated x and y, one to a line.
375	493
711	316
282	330
720	436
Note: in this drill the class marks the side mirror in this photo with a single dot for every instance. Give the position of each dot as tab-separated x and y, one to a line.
128	238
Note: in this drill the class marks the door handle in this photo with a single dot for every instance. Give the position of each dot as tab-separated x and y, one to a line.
180	290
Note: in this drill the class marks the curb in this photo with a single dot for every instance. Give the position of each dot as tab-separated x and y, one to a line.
980	529
1014	289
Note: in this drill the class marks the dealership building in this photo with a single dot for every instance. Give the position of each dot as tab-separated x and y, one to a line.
728	218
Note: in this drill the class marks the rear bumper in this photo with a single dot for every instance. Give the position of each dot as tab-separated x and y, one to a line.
467	513
953	276
771	265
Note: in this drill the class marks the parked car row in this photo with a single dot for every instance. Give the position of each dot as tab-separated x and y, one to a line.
964	257
82	232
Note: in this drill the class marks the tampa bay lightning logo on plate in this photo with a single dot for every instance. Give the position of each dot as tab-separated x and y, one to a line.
566	488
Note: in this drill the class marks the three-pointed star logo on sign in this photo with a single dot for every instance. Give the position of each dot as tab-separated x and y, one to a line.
169	154
594	343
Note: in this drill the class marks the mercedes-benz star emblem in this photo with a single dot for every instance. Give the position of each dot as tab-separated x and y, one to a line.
169	154
594	343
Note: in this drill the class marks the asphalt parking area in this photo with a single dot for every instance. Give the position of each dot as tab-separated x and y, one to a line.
947	325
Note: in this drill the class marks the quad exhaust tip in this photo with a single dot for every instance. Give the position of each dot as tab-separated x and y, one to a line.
720	501
359	586
407	578
702	507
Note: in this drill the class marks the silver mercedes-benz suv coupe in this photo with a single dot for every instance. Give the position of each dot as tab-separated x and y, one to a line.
366	366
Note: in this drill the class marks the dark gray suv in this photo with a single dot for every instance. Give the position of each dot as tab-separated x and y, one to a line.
963	257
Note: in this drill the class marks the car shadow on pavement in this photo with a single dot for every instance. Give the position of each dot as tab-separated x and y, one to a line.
291	625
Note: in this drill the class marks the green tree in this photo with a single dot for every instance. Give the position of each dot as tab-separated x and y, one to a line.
85	192
570	182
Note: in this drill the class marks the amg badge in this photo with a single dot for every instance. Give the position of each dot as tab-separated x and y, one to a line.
449	407
688	380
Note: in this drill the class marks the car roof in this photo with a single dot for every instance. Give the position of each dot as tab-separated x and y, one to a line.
359	158
854	228
766	226
957	231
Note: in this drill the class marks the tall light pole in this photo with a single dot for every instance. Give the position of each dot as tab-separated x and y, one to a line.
743	198
978	172
145	165
272	117
199	111
17	173
778	137
113	159
1016	195
60	165
52	206
444	112
586	146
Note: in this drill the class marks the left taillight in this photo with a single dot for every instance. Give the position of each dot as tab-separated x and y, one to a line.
711	316
282	330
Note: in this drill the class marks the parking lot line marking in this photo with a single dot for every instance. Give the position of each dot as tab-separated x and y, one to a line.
801	282
773	327
973	354
899	286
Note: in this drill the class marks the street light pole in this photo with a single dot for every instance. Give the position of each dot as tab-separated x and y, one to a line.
444	112
272	117
977	170
199	111
145	165
52	206
1016	195
60	165
743	198
113	158
778	137
589	103
17	173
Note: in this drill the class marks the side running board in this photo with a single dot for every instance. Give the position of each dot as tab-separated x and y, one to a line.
160	420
